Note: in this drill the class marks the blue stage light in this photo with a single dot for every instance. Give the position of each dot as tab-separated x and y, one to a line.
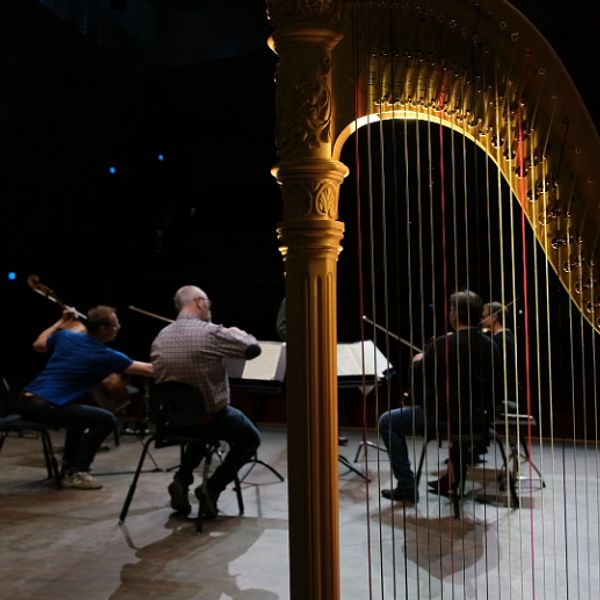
112	170
161	157
12	276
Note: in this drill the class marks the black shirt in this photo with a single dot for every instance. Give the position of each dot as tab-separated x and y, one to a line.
456	377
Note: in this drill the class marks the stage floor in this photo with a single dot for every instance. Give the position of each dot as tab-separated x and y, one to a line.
68	544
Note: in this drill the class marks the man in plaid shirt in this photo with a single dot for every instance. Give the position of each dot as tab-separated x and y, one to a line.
193	350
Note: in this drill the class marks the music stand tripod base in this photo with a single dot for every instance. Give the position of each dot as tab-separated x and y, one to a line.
351	467
256	461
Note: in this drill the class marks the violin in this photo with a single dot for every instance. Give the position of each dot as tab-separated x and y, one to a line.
111	393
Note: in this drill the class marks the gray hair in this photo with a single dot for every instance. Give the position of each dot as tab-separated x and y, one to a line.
186	295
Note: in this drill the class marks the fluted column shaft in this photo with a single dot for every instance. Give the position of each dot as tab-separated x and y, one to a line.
310	237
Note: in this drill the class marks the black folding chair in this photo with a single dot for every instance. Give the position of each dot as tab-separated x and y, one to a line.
177	405
465	447
12	423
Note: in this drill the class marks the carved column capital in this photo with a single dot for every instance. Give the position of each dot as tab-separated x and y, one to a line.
310	188
283	12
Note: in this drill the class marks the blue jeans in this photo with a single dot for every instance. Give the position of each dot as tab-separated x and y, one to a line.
87	427
232	426
394	426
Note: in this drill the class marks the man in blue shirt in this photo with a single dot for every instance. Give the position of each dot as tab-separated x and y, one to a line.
79	360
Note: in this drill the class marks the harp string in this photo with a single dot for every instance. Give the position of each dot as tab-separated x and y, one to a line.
516	273
491	295
358	100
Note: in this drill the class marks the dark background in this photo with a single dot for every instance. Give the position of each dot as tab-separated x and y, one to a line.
85	86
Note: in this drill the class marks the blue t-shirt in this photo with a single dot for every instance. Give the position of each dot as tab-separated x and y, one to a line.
77	363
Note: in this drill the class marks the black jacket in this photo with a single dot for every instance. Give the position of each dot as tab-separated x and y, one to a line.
457	377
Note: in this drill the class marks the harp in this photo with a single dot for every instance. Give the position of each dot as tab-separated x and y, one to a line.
478	69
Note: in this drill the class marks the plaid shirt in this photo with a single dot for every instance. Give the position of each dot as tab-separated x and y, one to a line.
194	351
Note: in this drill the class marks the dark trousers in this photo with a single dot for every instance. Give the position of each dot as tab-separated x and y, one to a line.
86	428
232	426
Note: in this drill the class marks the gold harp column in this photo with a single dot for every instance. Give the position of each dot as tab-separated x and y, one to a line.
304	36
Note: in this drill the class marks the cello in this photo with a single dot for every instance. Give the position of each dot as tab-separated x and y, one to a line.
111	393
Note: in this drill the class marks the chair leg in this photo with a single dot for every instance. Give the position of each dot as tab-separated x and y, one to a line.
508	475
47	451
237	483
210	450
419	472
238	492
457	471
136	476
50	458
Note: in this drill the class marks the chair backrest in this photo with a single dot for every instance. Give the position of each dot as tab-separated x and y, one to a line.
177	404
5	398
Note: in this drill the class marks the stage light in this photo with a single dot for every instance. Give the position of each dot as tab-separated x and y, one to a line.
12	276
161	157
112	170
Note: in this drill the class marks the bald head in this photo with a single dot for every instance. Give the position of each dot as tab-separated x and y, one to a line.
186	295
192	299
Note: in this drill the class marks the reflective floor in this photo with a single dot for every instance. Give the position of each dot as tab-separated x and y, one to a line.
69	545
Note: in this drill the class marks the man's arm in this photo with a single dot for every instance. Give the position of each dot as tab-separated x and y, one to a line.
253	349
137	367
67	321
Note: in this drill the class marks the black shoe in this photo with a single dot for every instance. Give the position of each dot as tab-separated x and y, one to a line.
179	498
208	500
342	441
399	494
439	486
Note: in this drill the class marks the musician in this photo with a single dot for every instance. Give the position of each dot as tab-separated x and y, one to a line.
193	350
451	380
79	360
493	322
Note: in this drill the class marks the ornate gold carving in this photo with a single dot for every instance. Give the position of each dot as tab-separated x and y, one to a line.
282	12
315	198
326	200
310	188
304	110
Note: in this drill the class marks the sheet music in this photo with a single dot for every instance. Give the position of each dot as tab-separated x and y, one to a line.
350	359
268	366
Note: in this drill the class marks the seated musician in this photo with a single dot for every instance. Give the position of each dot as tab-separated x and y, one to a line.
61	393
193	350
452	377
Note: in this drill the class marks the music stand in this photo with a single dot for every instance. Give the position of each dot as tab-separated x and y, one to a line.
360	365
263	374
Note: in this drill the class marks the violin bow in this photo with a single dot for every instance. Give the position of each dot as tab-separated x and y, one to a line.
393	335
150	314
